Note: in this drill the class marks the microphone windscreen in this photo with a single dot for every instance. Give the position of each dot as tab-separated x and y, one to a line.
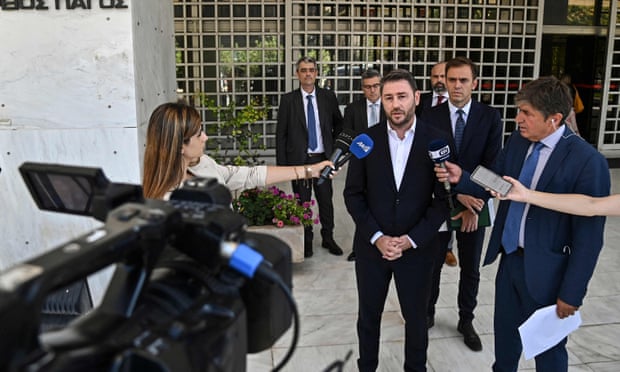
361	146
344	139
438	150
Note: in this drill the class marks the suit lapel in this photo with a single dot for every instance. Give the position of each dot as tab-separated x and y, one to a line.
301	116
445	124
472	117
363	114
320	103
560	152
383	139
515	159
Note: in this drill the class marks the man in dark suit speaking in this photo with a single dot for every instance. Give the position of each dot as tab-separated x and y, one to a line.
309	120
365	112
389	195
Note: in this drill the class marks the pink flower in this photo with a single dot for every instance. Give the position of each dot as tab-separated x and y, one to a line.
316	221
307	216
306	204
312	202
280	223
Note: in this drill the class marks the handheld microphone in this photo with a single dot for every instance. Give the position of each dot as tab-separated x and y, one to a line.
439	152
359	147
341	146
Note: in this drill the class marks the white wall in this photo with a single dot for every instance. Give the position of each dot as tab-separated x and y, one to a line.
76	87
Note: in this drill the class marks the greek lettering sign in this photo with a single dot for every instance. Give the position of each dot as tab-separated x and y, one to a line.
61	4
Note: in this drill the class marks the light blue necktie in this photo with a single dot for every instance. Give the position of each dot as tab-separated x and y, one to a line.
510	237
373	115
458	130
312	141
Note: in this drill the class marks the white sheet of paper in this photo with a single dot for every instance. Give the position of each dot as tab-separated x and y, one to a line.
544	329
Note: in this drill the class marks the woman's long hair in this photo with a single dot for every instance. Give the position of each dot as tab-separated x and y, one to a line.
171	125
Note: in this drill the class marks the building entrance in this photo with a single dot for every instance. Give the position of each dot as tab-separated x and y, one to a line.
583	57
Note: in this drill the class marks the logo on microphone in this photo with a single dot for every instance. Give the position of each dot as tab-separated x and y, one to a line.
439	151
363	146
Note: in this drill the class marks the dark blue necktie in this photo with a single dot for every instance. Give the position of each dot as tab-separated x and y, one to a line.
458	130
510	237
312	142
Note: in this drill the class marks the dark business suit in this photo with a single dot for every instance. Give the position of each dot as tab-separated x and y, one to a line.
375	204
292	148
482	141
560	250
356	115
426	102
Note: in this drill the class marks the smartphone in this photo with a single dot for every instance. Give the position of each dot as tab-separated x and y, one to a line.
490	180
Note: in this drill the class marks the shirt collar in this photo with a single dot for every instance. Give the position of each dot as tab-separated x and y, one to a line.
306	94
392	133
454	109
552	140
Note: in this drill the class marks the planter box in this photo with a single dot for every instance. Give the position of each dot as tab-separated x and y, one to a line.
291	235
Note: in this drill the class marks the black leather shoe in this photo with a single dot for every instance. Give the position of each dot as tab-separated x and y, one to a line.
333	248
308	253
430	321
351	256
470	337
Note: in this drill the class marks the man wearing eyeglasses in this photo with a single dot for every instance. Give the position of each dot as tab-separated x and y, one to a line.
309	120
365	112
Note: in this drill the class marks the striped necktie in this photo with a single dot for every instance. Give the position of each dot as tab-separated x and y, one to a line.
459	129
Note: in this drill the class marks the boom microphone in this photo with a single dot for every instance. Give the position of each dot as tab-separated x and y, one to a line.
439	152
360	147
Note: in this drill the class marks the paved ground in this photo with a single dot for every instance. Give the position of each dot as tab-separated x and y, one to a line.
324	287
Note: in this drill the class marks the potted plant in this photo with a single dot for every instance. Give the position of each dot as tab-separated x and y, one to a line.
272	206
273	211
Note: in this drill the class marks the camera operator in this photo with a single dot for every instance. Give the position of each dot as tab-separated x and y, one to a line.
175	144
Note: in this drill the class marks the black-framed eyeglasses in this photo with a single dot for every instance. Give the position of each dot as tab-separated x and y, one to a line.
373	86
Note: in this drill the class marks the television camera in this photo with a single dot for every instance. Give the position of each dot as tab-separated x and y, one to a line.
192	290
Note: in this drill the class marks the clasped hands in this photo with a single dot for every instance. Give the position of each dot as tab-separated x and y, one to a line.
392	247
469	216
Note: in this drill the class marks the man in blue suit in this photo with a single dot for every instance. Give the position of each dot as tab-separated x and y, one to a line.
389	195
479	144
550	257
